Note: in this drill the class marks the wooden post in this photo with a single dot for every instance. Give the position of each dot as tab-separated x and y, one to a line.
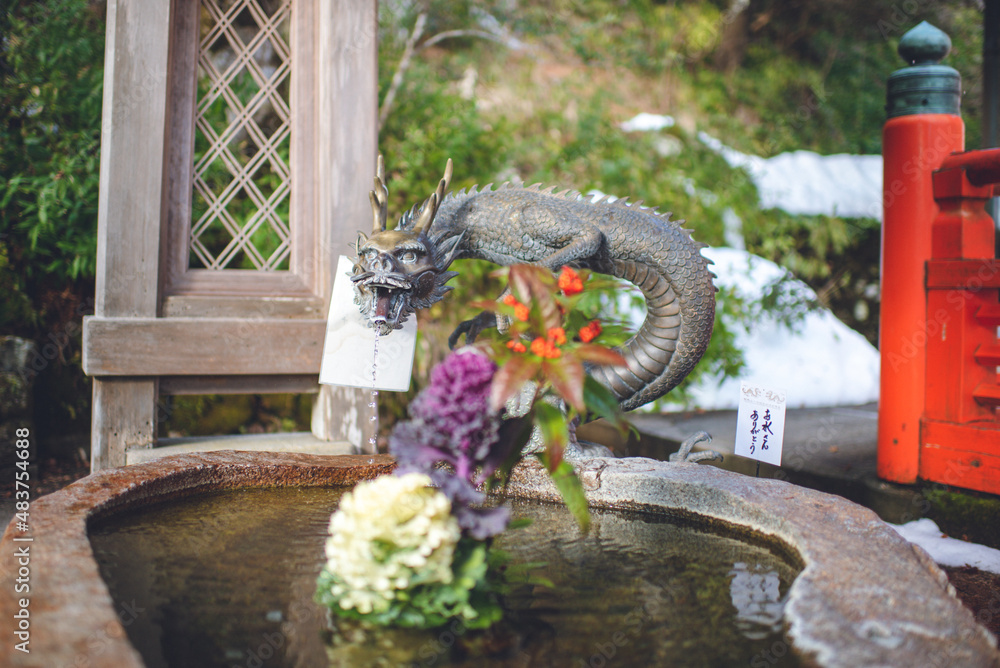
924	126
347	147
128	218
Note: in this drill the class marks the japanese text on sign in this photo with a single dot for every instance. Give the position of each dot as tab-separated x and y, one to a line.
760	423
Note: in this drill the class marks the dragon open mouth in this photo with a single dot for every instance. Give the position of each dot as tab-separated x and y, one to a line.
384	299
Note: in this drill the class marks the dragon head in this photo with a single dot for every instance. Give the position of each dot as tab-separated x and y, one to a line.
404	269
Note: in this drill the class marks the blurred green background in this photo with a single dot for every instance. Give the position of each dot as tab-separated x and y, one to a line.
538	101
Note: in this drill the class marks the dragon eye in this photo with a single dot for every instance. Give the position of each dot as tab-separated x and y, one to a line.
367	254
408	257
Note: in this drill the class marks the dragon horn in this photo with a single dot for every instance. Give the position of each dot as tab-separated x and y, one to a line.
432	203
379	199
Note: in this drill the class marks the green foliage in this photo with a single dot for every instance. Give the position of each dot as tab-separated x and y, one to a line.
571	490
646	36
17	306
430	124
50	100
51	76
198	415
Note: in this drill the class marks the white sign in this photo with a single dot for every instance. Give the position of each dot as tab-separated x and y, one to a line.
349	348
760	423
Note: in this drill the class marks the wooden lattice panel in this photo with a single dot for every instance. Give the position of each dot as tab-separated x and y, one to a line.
241	200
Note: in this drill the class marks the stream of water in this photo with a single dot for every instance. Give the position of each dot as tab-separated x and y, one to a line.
373	403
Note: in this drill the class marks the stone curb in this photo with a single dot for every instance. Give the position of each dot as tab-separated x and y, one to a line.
72	616
866	596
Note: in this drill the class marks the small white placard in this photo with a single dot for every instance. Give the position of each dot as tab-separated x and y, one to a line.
349	348
760	423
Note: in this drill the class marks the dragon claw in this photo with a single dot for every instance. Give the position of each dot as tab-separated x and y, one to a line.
685	455
472	328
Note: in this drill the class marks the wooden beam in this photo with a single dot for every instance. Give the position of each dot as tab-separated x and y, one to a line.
132	158
182	85
201	346
961	455
275	305
273	384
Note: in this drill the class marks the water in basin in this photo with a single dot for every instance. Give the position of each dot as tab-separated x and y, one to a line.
227	578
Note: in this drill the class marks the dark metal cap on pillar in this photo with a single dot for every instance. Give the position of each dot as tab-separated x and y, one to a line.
926	87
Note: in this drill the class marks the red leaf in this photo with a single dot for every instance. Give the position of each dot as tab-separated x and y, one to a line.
526	279
566	375
536	286
591	352
554	452
548	307
509	379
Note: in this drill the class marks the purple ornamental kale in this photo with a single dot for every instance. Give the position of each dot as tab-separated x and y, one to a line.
451	422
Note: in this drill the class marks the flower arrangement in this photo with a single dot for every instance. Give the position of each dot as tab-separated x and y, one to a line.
412	549
396	556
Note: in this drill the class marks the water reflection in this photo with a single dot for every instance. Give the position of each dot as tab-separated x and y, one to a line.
756	594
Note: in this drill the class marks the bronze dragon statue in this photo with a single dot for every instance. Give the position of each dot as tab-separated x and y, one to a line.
400	270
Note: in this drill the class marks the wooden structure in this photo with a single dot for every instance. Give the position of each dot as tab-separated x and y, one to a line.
960	429
939	403
238	144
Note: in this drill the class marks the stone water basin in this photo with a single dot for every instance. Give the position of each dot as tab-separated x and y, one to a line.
863	596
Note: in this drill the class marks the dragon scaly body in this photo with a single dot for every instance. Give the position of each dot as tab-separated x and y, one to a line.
400	270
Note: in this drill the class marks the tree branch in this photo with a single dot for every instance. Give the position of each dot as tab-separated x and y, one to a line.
448	34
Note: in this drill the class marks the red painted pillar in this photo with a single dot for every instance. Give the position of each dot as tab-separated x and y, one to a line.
924	127
912	147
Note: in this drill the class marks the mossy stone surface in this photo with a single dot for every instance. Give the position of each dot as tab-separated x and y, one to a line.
966	515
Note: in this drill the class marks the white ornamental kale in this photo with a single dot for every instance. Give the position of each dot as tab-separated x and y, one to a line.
388	535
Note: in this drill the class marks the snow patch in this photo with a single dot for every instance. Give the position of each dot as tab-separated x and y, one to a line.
647	123
948	551
804	182
799	182
817	361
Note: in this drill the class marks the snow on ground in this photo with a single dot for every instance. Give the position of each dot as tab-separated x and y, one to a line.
647	122
803	182
817	361
948	551
799	182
